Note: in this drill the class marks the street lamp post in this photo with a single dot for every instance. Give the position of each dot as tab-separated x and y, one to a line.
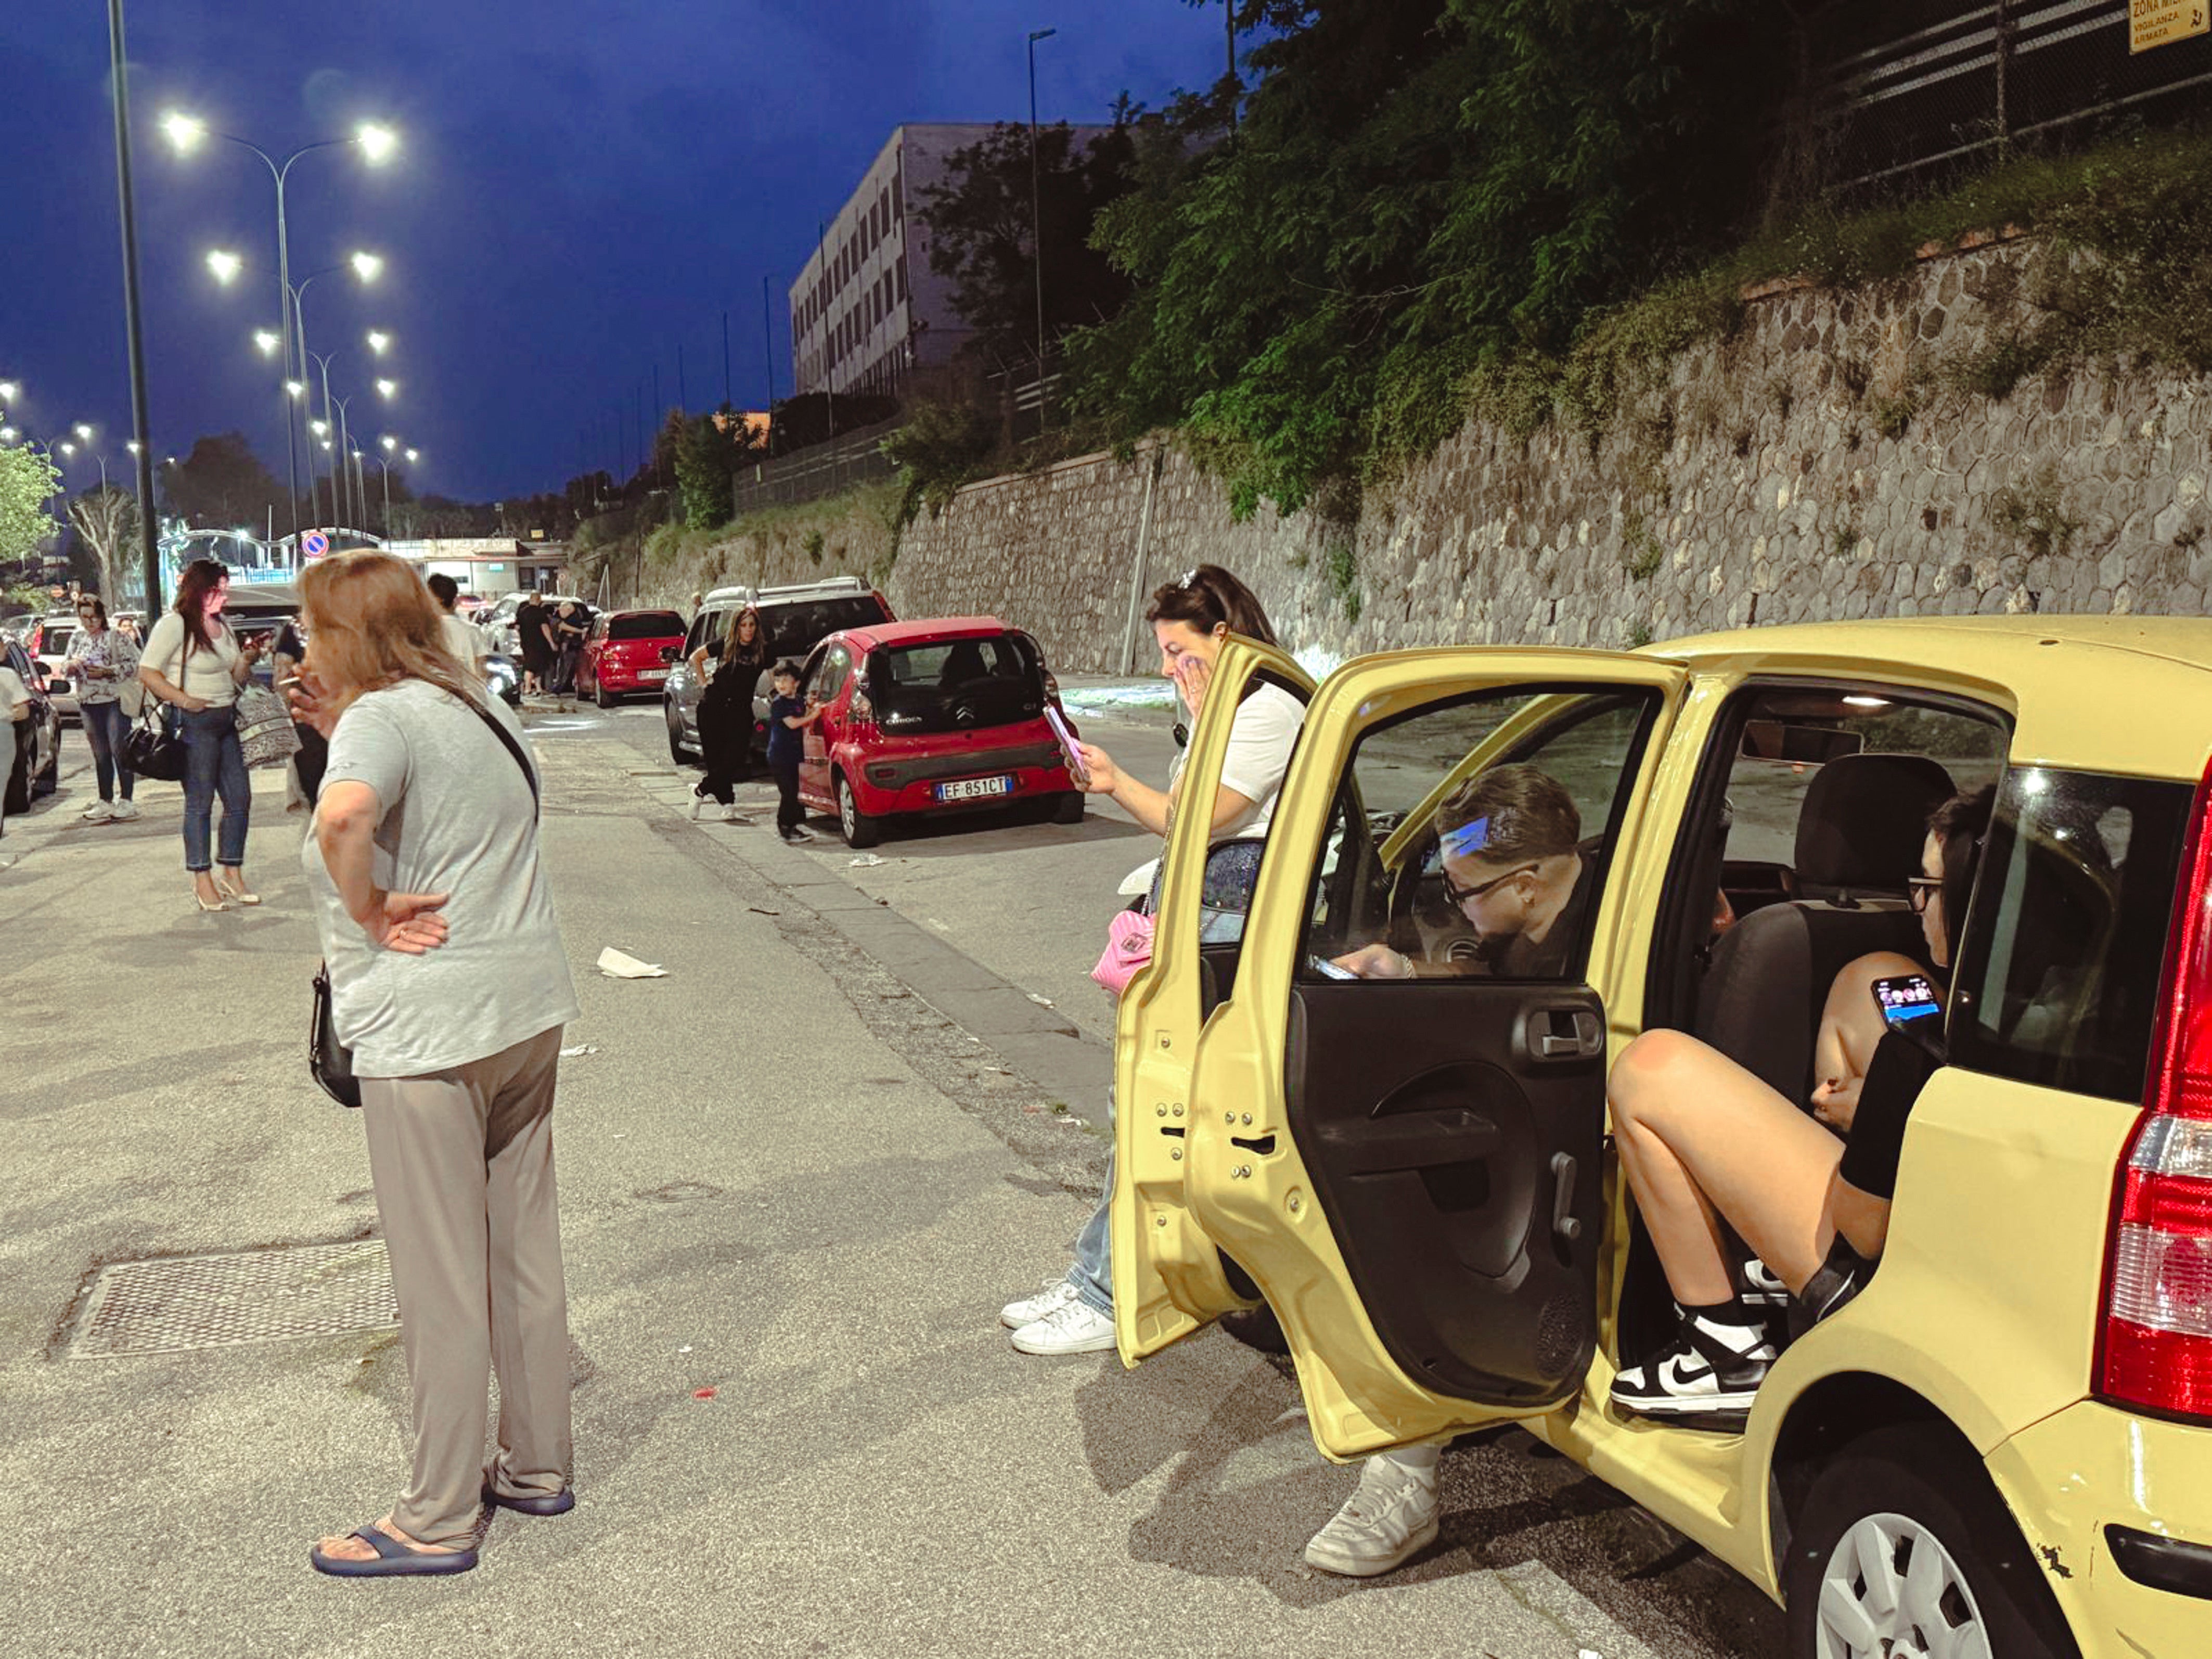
1036	221
149	554
376	143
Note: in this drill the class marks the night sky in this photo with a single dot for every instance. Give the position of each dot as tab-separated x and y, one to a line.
580	189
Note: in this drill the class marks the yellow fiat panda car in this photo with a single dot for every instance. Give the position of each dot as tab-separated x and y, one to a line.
2003	1445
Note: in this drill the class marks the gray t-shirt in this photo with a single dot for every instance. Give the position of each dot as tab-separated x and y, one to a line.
459	819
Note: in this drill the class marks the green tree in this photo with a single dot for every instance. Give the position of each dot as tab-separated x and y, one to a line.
222	483
1419	193
27	481
709	452
979	231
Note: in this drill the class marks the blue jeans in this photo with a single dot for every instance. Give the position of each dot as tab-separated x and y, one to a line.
1092	1275
215	765
106	726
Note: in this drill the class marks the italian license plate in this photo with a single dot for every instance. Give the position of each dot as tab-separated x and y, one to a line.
974	788
653	674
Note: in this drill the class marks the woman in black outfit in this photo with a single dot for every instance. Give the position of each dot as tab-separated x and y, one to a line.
725	709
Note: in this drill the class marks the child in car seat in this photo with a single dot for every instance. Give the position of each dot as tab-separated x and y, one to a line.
1703	1141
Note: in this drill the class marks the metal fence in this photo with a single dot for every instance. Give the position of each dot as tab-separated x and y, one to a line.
822	469
1902	87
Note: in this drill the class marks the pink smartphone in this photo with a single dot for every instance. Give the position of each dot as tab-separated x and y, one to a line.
1069	752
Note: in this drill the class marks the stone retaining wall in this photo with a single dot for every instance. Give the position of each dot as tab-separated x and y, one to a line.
1753	484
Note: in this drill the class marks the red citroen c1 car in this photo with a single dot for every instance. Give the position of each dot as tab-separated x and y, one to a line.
939	714
628	651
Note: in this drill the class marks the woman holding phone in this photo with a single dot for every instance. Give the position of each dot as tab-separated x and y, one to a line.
195	663
1192	619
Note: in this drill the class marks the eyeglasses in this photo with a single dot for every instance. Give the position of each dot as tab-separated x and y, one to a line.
1463	896
1924	889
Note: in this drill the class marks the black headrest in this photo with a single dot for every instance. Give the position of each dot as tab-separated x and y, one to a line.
1864	821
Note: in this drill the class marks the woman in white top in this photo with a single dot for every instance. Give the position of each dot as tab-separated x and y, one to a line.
193	661
1192	619
102	662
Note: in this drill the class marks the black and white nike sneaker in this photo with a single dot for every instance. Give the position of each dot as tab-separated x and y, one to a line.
1758	1285
1707	1377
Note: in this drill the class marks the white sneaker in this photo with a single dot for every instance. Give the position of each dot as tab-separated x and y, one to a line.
1390	1518
124	813
1074	1326
1031	1308
99	812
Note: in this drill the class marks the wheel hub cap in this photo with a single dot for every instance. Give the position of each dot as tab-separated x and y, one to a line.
1892	1591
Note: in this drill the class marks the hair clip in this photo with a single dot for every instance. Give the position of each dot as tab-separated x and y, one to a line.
1189	578
1466	841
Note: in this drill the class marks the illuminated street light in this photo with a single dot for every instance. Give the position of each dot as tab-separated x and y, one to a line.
184	131
366	266
9	391
389	442
68	450
414	454
320	428
378	341
377	141
8	435
131	444
267	341
83	430
224	265
295	388
385	388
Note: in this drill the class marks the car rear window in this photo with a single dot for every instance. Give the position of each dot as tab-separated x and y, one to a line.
2058	977
646	625
797	626
956	685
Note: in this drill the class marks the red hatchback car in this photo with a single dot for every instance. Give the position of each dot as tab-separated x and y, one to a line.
930	716
628	651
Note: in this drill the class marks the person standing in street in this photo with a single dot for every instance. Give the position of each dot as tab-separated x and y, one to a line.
569	624
450	983
105	667
726	707
530	644
787	717
466	643
288	655
15	729
194	644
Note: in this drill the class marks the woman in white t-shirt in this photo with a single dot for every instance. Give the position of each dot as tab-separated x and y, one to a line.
193	661
1192	619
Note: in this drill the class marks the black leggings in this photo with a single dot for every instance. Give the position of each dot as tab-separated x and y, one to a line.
789	814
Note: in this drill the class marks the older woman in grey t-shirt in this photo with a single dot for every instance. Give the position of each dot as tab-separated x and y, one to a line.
449	982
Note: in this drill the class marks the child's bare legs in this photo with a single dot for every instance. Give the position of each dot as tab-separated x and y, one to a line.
1697	1133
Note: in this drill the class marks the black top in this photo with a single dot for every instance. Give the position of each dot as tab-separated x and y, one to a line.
1522	958
289	642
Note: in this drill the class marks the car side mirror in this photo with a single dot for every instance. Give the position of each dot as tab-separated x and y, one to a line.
668	654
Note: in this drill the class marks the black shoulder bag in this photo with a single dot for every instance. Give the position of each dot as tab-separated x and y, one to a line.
331	1061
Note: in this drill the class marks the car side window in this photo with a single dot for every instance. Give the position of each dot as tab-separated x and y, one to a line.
1473	835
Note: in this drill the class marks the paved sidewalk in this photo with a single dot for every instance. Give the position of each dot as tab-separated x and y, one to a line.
793	1200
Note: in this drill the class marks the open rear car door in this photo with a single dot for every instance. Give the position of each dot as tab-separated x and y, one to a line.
1409	1169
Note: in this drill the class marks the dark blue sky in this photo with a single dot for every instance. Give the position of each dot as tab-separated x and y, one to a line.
579	188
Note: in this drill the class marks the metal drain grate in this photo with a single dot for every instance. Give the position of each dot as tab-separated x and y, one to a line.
189	1303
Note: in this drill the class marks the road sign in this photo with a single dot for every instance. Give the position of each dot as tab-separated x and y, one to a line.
2160	23
314	543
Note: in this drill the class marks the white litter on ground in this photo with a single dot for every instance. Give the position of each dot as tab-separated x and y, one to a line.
580	1049
868	861
1041	1002
620	964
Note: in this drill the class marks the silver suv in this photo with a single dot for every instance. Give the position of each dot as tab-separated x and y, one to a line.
793	620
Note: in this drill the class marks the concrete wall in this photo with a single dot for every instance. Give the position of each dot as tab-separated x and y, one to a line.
1751	483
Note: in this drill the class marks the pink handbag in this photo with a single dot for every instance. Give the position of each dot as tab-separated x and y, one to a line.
1128	947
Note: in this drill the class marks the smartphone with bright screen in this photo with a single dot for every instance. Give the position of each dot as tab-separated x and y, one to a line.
1324	969
1069	752
1905	1001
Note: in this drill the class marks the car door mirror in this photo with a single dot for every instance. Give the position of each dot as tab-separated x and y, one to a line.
668	654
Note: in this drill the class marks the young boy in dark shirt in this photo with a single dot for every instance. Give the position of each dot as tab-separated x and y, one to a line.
787	718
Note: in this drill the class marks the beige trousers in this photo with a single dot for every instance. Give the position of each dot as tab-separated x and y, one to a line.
463	1163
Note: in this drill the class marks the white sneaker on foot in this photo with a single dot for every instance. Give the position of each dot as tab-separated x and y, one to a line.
99	812
1031	1308
1390	1518
1074	1326
124	813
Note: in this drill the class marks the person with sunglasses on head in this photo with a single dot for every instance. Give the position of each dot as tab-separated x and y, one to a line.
1192	619
103	662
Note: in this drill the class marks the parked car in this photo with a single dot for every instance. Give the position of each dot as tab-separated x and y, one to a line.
38	765
2004	1443
628	651
49	645
931	716
794	619
504	676
497	620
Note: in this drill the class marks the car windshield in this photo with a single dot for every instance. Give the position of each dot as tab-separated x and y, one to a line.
646	625
796	627
950	686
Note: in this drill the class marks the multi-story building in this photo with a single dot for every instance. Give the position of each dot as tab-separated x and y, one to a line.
868	309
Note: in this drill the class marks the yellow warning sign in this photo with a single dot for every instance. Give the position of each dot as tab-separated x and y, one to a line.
2162	22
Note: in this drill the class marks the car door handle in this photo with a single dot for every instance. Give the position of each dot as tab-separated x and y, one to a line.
1558	1034
1418	1141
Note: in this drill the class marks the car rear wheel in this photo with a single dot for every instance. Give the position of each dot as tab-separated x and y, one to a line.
857	827
676	751
599	693
1069	809
50	778
1902	1546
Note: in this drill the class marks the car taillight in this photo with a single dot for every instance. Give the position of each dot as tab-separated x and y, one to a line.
2154	1349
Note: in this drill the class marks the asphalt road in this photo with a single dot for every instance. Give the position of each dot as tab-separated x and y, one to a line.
798	1175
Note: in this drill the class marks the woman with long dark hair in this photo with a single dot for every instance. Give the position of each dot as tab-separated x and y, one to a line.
194	662
726	707
450	983
103	664
1192	619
